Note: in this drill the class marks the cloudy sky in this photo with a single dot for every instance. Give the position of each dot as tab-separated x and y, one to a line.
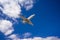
46	20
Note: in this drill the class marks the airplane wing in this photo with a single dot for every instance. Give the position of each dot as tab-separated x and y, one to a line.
31	16
22	17
30	22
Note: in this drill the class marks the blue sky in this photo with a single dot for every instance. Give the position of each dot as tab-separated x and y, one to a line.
46	21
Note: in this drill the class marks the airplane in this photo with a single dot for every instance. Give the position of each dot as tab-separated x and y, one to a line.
27	20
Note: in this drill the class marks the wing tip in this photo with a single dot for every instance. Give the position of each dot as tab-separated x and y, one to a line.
34	14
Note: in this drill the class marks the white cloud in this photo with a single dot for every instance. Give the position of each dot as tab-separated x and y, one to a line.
52	38
40	38
37	38
25	35
27	39
47	38
28	4
6	27
10	8
14	37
